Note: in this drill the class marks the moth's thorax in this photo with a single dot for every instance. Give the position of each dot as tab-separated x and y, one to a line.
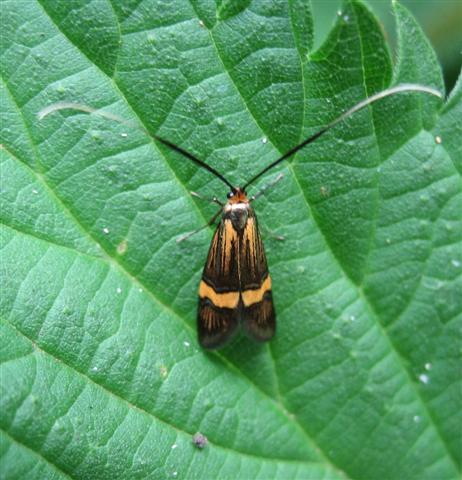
237	209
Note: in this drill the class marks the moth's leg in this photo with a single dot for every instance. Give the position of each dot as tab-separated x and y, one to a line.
269	233
210	200
266	187
190	234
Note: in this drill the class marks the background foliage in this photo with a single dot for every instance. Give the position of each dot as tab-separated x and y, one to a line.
440	20
101	373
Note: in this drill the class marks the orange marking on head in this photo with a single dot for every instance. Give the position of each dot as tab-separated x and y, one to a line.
249	297
238	197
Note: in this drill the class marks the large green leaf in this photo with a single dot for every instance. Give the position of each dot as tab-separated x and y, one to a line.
102	376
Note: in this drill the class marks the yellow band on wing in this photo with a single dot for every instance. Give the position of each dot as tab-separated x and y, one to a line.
220	300
249	297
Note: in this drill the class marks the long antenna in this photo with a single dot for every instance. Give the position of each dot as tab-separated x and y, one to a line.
405	87
55	107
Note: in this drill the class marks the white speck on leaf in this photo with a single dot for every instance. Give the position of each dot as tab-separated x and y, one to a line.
428	366
106	230
186	344
124	135
264	140
416	419
119	290
438	139
174	446
424	378
455	263
35	191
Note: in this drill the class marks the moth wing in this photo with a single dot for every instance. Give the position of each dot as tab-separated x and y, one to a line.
216	326
218	313
258	316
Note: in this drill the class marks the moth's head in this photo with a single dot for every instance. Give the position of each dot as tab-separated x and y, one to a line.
237	195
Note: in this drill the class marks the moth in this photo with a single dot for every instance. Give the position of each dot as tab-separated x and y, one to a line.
236	286
235	291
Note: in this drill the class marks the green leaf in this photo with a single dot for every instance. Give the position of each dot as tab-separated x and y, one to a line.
101	373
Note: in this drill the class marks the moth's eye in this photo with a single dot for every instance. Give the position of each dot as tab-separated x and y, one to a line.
230	195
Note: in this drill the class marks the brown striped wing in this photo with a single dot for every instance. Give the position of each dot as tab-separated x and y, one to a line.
235	286
218	311
256	307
